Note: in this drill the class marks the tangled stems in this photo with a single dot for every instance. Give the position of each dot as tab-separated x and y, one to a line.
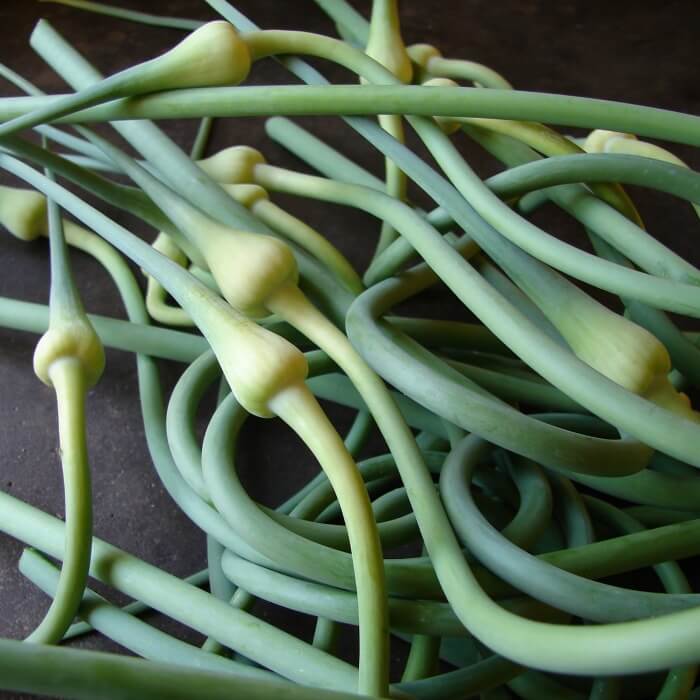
627	548
432	64
679	681
272	42
597	167
615	559
646	172
590	600
490	306
618	648
622	229
658	292
613	142
337	51
129	631
378	339
545	286
186	177
294	404
369	559
236	629
223	624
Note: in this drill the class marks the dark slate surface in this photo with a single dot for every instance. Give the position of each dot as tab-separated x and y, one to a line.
626	51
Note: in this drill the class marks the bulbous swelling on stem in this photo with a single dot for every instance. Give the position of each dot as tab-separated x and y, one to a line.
23	212
70	339
248	267
449	126
233	165
212	55
258	364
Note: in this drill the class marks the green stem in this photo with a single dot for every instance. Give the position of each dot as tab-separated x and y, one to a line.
238	630
201	140
362	100
302	413
129	631
136	607
69	384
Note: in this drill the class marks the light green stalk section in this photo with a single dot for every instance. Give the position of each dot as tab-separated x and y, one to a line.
156	303
351	20
115	333
201	140
300	410
69	384
318	154
136	607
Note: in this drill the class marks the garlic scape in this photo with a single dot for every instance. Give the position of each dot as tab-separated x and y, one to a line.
257	275
212	55
69	357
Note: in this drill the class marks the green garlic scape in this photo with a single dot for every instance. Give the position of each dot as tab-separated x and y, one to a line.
212	55
70	339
